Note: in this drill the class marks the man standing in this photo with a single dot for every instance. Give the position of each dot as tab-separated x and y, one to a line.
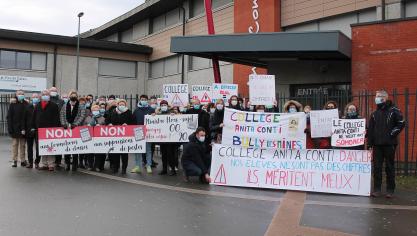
46	115
385	124
16	127
54	97
31	135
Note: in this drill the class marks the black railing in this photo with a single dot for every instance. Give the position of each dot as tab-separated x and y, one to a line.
406	100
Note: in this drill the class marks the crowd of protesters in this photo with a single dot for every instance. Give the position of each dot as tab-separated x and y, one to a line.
50	109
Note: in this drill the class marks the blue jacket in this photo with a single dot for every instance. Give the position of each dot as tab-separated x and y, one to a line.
140	112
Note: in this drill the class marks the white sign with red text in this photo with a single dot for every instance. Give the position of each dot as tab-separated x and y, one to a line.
348	132
316	170
224	91
57	141
120	139
202	93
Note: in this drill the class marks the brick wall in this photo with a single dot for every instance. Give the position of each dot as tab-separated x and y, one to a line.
384	56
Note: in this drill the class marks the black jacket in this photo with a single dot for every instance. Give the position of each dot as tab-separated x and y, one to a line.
196	152
46	118
384	125
215	123
30	109
115	118
16	119
140	113
58	101
203	119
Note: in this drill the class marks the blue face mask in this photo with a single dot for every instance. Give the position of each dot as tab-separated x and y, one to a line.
45	98
143	103
122	108
96	113
102	110
20	97
268	106
35	100
292	110
196	107
65	100
379	100
82	106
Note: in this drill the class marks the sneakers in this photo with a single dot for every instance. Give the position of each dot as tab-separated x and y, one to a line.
148	169
14	164
23	164
136	170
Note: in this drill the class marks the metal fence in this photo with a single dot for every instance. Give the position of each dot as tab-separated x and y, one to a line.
406	100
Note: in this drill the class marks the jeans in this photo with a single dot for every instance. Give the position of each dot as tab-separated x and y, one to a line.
148	154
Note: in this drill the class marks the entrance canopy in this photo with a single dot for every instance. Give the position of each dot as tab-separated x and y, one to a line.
260	49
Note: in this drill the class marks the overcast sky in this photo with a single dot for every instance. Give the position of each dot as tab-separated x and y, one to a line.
60	16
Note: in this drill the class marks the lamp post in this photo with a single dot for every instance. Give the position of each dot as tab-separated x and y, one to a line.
78	50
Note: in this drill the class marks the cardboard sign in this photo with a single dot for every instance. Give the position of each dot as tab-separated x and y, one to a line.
316	170
120	139
264	130
170	128
202	93
176	94
261	89
57	141
348	132
224	91
321	122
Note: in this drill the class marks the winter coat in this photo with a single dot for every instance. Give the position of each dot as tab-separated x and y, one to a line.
90	120
116	118
58	101
215	123
140	113
203	119
29	126
290	102
74	118
196	152
47	117
385	124
16	119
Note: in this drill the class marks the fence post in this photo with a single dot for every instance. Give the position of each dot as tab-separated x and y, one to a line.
406	98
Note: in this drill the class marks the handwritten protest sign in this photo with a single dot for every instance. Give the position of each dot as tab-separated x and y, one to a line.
120	139
348	132
264	130
56	141
321	122
317	170
202	93
170	128
261	89
224	91
176	94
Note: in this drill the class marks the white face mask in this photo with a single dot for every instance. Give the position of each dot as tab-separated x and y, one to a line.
234	103
53	94
201	139
219	107
261	111
292	110
164	108
212	110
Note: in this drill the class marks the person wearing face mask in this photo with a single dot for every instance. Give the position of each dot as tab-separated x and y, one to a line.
260	108
196	157
183	109
385	124
216	125
310	143
351	112
95	118
17	128
234	103
326	143
54	97
65	98
272	108
292	106
169	151
72	115
102	107
31	135
203	116
139	114
121	115
89	101
46	115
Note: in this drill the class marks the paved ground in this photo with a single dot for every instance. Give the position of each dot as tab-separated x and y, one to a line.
40	203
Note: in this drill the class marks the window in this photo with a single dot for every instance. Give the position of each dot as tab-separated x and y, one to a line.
22	60
165	67
197	6
198	63
117	68
126	36
163	21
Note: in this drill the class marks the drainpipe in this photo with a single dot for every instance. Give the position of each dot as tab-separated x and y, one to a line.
383	10
183	56
54	72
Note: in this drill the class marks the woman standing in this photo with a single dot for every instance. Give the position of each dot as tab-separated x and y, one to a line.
95	118
121	115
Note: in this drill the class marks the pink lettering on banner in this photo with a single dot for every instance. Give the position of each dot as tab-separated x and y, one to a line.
220	176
